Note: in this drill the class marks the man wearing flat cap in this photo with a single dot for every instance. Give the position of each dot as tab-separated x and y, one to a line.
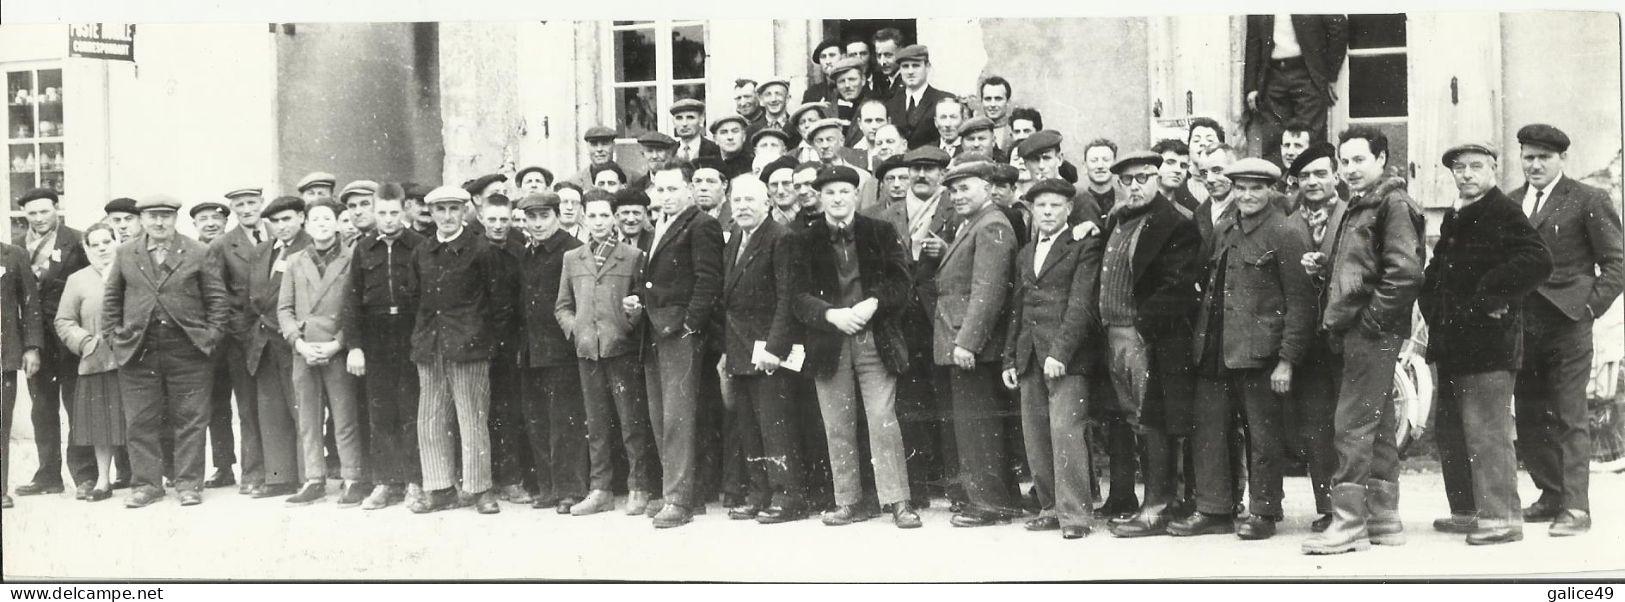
209	219
232	254
267	357
913	106
123	217
161	317
658	149
688	127
827	137
1486	263
315	186
600	150
976	137
729	132
773	95
1581	228
848	88
357	197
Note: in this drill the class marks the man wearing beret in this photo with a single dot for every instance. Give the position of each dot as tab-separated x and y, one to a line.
779	175
853	283
123	217
22	334
162	317
1367	285
1314	380
1581	228
772	95
1253	326
1051	348
729	132
1146	296
1486	263
632	225
913	107
266	356
315	186
688	126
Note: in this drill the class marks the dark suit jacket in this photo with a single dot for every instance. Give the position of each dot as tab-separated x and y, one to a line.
756	294
1268	301
541	270
22	326
1165	270
1324	40
257	325
683	275
1581	229
1488	258
924	270
973	286
883	274
1054	312
67	257
917	127
232	255
460	302
707	148
184	287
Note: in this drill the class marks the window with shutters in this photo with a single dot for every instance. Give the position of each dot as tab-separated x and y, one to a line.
653	64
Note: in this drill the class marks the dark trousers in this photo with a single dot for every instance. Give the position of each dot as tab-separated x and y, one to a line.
979	434
916	410
1219	400
1365	420
1057	422
1314	390
167	381
8	402
279	429
392	400
1291	97
765	419
614	391
246	391
671	368
51	390
222	442
712	433
556	427
1474	432
511	461
817	474
1554	425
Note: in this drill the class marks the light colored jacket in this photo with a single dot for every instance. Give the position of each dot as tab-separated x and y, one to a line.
589	303
973	284
309	303
79	321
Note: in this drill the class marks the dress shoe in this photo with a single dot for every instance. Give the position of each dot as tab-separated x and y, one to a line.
516	494
5	501
1488	535
1256	527
973	517
486	502
121	483
98	494
1119	508
845	515
655	506
780	513
637	502
1319	525
1457	523
413	493
143	497
598	500
744	512
83	489
671	516
1570	523
247	488
190	497
1202	523
904	516
1074	532
222	477
1179	509
564	504
956	506
309	494
1145	523
37	489
433	501
276	490
1539	512
355	493
1043	523
382	496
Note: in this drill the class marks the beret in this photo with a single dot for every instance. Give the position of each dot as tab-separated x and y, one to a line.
709	162
540	200
891	163
783	162
1038	142
1253	168
610	166
1470	147
1540	134
120	205
446	194
283	203
35	194
688	105
914	52
208	206
481	183
598	132
929	155
158	202
774	132
844	65
835	173
1051	185
631	196
824	124
316	178
244	192
546	175
358	187
973	169
1141	157
391	191
795	115
977	123
657	140
1315	152
1005	173
777	81
729	118
597	194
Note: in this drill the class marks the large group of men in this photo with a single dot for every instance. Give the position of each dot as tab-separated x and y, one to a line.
857	306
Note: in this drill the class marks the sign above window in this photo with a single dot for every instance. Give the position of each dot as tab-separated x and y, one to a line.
107	41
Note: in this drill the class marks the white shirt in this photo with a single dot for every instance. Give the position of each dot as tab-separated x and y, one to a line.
660	232
1286	39
1042	251
437	235
915	97
1219	207
1529	207
690	148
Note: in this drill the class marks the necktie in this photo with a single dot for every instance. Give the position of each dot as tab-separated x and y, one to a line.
910	105
1535	206
744	239
159	254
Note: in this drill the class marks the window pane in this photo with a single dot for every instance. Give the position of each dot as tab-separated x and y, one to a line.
688	52
50	103
1377	86
1376	31
24	161
20	104
51	161
635	108
635	55
694	91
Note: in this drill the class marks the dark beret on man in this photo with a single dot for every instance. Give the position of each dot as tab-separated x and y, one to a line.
478	185
833	174
121	205
1315	152
631	196
891	163
283	203
35	194
1544	136
783	162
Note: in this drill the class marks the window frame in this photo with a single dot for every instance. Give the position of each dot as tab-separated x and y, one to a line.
36	141
1348	68
665	84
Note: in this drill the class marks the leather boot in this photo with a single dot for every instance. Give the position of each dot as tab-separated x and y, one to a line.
1382	499
1157	462
1347	533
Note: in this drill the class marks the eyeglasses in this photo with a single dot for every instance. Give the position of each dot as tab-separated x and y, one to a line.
1128	179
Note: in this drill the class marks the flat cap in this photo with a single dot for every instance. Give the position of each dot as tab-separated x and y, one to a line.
835	173
283	203
446	194
598	132
927	155
914	52
631	196
774	132
358	187
120	205
1131	159
1545	136
776	81
657	140
35	194
547	176
709	162
479	184
1038	142
977	123
546	199
158	202
784	162
416	191
390	191
973	169
688	105
316	178
795	115
824	124
844	65
208	206
1315	152
1253	168
1051	185
1005	173
729	118
891	163
245	192
1470	147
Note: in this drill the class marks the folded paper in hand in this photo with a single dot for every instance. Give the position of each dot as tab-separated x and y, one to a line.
789	362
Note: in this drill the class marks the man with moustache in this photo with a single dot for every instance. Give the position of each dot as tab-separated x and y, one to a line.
232	254
417	212
729	132
54	253
886	81
266	355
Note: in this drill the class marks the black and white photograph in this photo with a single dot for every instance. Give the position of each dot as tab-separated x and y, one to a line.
823	293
